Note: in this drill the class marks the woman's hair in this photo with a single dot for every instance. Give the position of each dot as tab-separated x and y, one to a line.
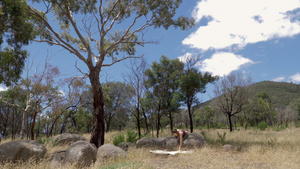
174	131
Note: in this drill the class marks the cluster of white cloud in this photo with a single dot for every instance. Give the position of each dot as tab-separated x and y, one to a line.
223	63
3	88
233	24
294	78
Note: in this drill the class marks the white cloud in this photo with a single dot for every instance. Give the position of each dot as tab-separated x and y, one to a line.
224	63
295	77
61	92
3	88
240	22
185	57
278	79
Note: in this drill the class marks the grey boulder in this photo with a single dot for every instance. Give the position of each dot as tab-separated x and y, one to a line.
109	151
21	150
67	139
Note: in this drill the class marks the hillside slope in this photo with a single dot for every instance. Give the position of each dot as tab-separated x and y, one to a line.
281	93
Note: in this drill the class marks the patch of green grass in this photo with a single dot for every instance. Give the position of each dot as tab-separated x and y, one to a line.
44	140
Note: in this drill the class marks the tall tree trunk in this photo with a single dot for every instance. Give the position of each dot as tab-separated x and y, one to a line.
13	123
158	121
230	122
33	121
145	120
191	118
108	123
138	119
38	130
49	133
65	120
23	125
170	116
98	130
24	117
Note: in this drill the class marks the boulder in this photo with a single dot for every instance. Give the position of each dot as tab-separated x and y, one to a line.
109	151
194	140
228	147
171	143
21	150
67	139
145	142
82	153
56	161
123	146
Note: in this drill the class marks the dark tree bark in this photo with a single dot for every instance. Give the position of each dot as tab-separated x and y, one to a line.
98	130
33	121
230	122
190	117
145	120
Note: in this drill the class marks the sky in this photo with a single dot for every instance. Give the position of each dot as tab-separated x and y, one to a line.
260	38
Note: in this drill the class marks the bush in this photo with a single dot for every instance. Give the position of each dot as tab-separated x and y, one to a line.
262	125
118	139
207	139
221	138
132	137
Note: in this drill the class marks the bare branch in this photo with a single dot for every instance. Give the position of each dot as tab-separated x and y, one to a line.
70	48
106	65
86	75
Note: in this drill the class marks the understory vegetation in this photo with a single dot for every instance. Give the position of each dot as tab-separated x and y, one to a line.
253	148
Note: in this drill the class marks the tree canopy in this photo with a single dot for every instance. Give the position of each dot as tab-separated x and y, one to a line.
16	30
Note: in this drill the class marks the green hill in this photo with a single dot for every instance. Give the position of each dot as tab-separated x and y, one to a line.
281	93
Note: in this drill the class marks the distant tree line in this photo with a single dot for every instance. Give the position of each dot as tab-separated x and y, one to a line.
149	99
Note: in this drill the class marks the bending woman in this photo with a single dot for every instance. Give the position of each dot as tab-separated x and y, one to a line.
181	135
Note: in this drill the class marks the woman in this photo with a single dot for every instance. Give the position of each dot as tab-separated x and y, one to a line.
181	135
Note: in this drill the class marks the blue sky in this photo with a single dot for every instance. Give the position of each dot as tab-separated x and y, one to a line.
260	38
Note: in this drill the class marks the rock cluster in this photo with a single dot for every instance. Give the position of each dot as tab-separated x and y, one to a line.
81	152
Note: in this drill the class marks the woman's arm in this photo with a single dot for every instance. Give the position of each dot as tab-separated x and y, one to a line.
180	138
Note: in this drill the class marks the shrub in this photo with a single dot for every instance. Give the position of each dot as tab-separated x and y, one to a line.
221	138
132	137
118	139
207	139
262	125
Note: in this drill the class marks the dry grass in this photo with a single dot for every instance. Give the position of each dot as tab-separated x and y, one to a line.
253	149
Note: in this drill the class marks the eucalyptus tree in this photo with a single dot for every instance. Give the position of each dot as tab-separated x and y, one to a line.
162	79
11	104
90	30
261	108
117	100
191	83
136	77
16	30
232	94
44	89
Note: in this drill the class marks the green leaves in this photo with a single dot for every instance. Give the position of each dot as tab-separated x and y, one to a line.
11	65
16	30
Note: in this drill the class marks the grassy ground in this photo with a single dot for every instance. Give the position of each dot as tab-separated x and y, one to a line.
252	149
